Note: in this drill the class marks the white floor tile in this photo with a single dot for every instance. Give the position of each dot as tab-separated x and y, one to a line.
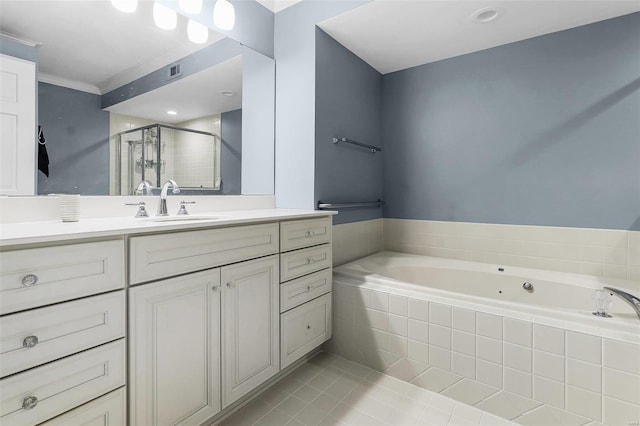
547	415
507	405
470	392
436	380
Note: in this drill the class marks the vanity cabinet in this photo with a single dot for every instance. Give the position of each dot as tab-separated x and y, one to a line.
203	319
250	314
305	289
62	329
174	353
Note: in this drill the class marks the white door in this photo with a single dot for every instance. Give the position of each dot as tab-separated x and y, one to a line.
174	350
17	126
250	324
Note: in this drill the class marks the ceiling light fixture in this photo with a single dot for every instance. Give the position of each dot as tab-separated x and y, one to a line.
126	6
484	15
197	32
171	112
165	18
224	15
191	6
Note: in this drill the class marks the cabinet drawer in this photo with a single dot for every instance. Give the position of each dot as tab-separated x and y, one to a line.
108	410
159	256
304	233
305	328
44	392
41	276
41	335
301	290
302	262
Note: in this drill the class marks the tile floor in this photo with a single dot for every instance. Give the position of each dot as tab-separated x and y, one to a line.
330	390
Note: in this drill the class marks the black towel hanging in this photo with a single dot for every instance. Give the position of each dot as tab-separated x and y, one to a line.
43	157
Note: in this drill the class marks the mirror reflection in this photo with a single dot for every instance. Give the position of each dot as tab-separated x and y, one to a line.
101	79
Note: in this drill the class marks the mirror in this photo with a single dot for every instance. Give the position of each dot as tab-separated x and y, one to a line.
98	78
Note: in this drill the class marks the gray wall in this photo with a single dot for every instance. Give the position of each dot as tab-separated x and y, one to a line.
295	37
348	104
544	131
231	151
77	135
18	50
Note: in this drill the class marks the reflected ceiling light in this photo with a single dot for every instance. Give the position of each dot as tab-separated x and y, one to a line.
484	15
224	15
191	6
197	32
227	93
171	112
127	6
165	18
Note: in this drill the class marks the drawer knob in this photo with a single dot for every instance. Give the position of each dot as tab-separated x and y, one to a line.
29	402
29	280
308	327
310	233
310	260
29	342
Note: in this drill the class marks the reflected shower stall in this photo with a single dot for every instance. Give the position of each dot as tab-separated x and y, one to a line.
159	152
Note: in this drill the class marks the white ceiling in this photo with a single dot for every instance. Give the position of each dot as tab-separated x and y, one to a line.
194	96
277	5
392	35
90	46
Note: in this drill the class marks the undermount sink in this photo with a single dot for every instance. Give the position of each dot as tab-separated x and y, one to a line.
183	218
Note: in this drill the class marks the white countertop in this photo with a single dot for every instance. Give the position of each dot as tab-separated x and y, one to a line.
50	231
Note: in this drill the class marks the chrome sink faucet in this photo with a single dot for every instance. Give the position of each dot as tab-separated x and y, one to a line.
144	187
629	298
162	207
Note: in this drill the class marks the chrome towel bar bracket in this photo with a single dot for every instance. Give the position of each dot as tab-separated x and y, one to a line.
372	148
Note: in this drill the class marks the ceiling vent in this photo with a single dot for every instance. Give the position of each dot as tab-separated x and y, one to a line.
174	71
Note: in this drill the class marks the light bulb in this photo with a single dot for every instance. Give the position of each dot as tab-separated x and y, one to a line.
165	18
127	6
197	32
224	15
191	6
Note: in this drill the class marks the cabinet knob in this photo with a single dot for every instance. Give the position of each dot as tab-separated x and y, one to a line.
230	285
29	342
29	280
310	233
29	402
308	327
215	288
310	260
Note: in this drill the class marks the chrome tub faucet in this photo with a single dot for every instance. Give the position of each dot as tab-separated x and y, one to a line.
632	300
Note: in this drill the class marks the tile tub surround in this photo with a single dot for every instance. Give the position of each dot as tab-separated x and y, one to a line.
502	365
354	240
330	390
598	252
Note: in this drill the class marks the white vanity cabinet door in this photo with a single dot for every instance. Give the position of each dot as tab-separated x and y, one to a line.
302	262
35	277
108	410
250	327
174	350
44	392
297	234
40	335
296	292
305	328
159	256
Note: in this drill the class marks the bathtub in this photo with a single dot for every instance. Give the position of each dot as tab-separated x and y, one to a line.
441	323
556	298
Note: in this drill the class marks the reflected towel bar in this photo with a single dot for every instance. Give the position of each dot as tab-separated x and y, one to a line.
372	148
328	206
